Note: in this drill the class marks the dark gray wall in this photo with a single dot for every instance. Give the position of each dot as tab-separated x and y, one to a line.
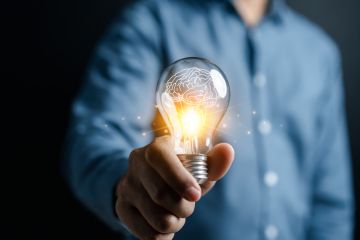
45	45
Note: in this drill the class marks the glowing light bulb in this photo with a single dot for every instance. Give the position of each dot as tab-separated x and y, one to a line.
192	96
191	122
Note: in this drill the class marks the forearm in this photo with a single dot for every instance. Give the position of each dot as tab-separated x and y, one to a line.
95	160
113	109
333	209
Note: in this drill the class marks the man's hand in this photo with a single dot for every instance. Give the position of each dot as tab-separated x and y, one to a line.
157	193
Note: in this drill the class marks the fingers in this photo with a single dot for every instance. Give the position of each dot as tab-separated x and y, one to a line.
132	218
161	194
162	158
158	218
220	159
157	193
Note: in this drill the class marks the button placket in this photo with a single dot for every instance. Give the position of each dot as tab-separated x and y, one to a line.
263	127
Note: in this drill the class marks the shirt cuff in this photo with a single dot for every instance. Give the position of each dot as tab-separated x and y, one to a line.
104	189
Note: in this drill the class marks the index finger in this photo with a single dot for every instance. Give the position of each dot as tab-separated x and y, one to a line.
162	158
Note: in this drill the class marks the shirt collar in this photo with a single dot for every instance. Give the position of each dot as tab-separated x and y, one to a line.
275	10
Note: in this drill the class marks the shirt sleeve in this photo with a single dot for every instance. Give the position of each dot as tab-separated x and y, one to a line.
113	113
332	213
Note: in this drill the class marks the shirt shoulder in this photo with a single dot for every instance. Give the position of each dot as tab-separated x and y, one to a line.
174	6
141	11
312	36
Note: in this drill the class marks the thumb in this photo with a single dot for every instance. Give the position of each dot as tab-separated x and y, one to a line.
219	161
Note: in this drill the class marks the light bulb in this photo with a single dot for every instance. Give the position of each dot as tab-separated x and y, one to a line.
192	96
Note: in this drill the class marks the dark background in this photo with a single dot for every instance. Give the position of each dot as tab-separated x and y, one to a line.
45	47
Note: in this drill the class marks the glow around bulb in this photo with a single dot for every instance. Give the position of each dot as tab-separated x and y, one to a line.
192	97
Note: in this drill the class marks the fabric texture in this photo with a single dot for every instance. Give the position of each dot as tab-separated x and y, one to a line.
291	178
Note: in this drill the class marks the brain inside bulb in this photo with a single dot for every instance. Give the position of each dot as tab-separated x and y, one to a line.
192	97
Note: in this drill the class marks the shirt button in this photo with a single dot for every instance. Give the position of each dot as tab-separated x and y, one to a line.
260	80
271	179
271	232
264	127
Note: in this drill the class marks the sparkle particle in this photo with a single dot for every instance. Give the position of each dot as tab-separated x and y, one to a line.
248	132
138	117
254	112
143	134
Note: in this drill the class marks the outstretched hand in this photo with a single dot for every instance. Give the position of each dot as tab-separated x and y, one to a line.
157	193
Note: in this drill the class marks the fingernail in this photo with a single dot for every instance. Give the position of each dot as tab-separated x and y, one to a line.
192	194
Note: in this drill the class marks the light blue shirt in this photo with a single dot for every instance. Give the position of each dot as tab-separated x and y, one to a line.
291	176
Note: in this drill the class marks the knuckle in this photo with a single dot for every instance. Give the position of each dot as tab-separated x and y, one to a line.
160	195
181	224
121	190
121	182
129	184
134	153
187	209
167	223
119	209
127	188
151	151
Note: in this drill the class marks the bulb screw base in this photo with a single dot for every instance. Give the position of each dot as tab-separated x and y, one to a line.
196	164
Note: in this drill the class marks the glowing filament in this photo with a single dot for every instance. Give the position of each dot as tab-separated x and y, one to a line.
191	122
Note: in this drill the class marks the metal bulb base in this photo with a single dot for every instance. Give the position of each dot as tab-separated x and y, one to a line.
196	164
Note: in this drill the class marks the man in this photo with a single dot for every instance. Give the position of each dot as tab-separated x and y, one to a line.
286	126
